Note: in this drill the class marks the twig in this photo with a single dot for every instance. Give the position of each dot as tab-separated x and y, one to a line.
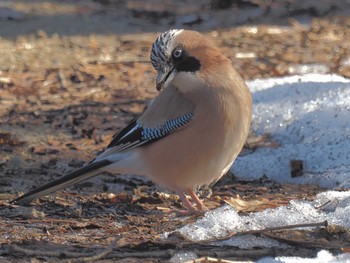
161	253
125	61
260	231
100	255
83	257
77	257
70	108
41	253
200	251
62	79
268	229
210	259
37	221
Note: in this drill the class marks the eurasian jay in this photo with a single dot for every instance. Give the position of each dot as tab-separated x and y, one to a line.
192	131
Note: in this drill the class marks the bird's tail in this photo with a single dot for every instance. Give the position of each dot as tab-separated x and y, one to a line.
84	173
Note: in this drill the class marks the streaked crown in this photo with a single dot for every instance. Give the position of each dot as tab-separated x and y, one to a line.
162	48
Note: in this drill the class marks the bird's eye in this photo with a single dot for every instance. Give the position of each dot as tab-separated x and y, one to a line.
177	53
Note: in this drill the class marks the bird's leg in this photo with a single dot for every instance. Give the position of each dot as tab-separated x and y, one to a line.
190	208
198	209
199	204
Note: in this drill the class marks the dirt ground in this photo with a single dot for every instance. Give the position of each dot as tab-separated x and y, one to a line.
73	72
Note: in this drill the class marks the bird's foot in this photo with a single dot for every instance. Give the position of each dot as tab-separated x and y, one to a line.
199	204
198	209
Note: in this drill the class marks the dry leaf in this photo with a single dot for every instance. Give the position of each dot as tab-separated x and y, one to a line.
8	139
346	249
264	140
251	205
211	260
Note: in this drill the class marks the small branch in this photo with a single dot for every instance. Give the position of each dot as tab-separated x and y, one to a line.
268	229
125	61
200	251
70	108
62	79
84	257
261	231
57	254
100	255
77	257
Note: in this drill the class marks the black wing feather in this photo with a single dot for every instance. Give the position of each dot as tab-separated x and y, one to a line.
125	136
134	134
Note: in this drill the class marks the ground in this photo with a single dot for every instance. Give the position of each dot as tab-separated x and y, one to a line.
73	72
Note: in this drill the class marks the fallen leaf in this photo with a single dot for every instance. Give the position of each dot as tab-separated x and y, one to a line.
264	140
346	249
251	205
7	138
85	225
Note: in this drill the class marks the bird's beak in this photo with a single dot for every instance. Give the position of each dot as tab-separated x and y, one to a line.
165	77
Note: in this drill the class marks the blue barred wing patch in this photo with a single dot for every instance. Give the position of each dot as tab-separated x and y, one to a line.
135	134
168	127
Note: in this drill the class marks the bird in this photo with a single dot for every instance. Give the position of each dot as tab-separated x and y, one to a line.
189	135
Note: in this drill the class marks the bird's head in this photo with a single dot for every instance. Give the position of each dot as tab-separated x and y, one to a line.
182	55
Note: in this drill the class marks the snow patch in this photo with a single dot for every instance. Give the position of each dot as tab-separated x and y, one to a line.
309	116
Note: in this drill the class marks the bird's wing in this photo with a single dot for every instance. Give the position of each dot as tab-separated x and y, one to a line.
135	134
169	112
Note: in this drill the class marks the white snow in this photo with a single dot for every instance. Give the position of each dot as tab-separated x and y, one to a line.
309	116
332	206
183	257
322	257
